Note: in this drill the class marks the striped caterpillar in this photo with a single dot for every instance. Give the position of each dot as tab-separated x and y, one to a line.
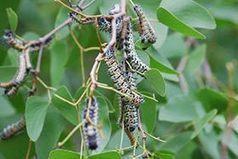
117	76
13	129
90	130
146	31
129	112
23	69
132	57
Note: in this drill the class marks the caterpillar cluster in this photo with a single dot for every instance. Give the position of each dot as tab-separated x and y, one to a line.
146	31
13	129
122	74
90	130
20	76
117	76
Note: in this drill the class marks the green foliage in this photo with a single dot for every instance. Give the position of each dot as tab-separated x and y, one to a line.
12	18
194	107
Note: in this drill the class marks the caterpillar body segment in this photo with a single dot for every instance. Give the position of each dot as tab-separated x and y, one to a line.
146	31
117	75
13	129
11	87
90	130
131	55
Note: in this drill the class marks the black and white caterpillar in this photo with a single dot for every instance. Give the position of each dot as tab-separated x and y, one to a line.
105	24
13	129
132	57
90	130
146	31
117	76
20	76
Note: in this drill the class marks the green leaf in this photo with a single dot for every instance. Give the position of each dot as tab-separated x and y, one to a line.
12	18
210	142
212	99
61	17
36	109
225	13
8	72
164	155
174	46
149	114
196	59
183	15
59	57
66	109
200	123
18	143
5	107
54	124
177	142
180	108
161	63
106	155
64	154
155	79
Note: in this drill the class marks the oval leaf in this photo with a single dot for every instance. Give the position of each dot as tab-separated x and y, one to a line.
200	123
54	124
155	79
66	109
64	154
36	109
12	18
106	155
183	15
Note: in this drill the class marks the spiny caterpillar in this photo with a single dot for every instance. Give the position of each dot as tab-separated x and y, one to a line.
146	31
13	129
117	76
132	56
105	24
90	130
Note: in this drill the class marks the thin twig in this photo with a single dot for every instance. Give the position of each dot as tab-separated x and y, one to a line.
70	134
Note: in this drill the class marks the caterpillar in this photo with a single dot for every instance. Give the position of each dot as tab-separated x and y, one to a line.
105	24
12	86
12	41
146	31
131	137
90	130
132	57
117	76
13	129
22	70
130	116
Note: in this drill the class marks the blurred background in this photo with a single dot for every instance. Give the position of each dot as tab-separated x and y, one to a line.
211	76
